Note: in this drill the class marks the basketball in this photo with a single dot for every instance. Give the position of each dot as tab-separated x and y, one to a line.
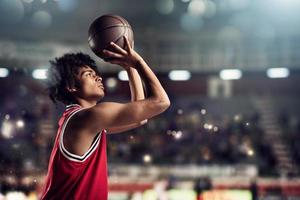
106	29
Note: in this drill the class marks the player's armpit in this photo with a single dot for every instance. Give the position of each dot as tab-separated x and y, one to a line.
121	129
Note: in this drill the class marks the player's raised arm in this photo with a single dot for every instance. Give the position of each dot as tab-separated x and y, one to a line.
136	93
110	114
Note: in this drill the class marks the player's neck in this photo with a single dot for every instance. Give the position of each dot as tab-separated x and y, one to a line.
86	104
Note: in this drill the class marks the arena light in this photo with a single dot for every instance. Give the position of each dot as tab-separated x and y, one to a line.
178	135
147	158
39	73
205	8
197	7
278	73
250	152
179	75
3	72
230	74
215	129
41	19
7	129
123	76
165	7
20	123
111	83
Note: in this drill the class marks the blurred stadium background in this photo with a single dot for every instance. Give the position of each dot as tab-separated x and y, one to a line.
230	67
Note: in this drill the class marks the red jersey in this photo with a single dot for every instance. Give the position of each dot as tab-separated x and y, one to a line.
72	176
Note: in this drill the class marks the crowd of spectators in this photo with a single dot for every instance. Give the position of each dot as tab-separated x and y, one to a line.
197	132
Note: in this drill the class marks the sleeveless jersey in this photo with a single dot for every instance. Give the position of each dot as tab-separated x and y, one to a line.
72	176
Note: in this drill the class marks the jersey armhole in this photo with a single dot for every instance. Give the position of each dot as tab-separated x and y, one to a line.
71	156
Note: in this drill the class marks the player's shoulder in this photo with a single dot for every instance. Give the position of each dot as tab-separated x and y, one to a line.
70	113
80	118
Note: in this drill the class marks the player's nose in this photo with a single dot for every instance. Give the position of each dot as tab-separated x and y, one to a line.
98	79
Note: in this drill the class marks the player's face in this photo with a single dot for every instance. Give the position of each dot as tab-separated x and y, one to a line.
91	86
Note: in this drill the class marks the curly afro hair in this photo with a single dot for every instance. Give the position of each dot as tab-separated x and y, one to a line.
62	74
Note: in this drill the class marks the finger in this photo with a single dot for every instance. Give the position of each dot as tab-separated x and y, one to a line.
127	45
115	61
111	54
117	48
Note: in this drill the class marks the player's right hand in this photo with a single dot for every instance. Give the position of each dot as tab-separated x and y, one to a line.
126	58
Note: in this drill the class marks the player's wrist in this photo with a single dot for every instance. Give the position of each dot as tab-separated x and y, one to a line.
139	62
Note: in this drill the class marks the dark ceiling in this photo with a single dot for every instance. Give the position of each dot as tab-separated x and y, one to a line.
201	35
68	20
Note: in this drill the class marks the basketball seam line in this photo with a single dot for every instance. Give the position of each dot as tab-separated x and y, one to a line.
122	20
108	28
120	35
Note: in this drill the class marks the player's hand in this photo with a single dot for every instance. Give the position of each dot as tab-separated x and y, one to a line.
126	58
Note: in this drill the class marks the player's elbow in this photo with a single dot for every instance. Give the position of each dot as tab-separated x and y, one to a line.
167	103
162	104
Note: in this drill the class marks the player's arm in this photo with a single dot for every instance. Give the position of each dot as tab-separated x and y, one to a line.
121	129
137	93
109	114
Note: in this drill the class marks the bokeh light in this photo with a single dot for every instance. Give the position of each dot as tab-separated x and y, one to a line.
165	7
190	22
12	11
67	5
41	19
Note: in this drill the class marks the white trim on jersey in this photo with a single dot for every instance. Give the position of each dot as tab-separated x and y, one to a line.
72	156
68	107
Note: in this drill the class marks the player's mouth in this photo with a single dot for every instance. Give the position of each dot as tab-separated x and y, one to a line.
101	86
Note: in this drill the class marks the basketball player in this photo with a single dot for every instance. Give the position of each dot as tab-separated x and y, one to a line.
78	166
